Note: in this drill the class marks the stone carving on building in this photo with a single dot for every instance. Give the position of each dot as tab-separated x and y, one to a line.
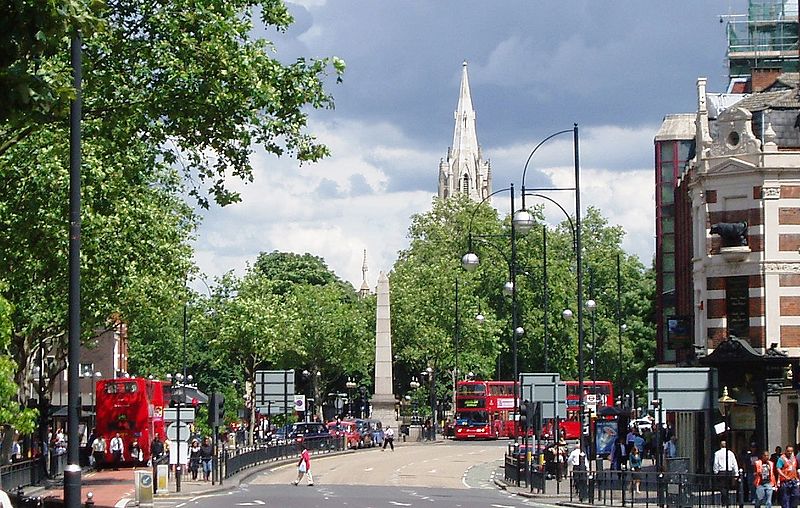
781	268
770	193
733	234
735	134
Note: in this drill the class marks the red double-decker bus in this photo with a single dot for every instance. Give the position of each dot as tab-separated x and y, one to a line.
134	407
596	395
484	410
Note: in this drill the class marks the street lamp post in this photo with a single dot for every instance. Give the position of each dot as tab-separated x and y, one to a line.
576	239
523	221
95	375
414	384
726	404
351	385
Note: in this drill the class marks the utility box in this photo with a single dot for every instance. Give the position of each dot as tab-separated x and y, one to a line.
143	483
162	479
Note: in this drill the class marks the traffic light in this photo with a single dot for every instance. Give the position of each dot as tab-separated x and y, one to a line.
536	417
524	413
216	409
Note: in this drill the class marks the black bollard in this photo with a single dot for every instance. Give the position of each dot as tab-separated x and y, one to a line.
89	500
72	486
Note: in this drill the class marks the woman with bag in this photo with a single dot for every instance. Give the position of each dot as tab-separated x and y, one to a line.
304	466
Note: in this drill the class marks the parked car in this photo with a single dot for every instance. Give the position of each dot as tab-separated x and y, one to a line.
373	429
309	431
280	435
348	430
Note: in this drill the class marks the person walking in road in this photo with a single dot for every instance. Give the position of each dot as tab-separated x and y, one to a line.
388	438
787	476
764	480
304	466
99	451
117	447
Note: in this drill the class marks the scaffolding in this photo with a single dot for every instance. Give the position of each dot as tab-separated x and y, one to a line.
767	37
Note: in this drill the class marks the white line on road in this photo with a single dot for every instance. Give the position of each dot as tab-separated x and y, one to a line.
502	506
368	469
396	503
122	503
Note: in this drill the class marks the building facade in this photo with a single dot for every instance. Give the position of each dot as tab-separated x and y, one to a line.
464	171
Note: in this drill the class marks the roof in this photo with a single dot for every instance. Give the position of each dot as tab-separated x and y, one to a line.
677	127
773	99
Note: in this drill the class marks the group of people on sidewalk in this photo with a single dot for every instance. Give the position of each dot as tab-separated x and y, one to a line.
767	476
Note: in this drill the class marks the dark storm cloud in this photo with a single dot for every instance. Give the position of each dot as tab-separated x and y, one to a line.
534	66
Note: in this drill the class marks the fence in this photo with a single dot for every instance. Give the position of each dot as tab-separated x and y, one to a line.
629	488
243	458
21	474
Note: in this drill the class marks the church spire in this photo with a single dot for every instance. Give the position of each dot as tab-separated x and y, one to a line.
364	291
464	171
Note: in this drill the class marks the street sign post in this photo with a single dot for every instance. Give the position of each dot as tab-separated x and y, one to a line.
274	391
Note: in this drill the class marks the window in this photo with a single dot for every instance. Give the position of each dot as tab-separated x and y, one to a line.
667	172
668	243
668	263
130	387
684	147
465	185
667	194
737	295
472	418
472	389
501	390
668	279
667	151
668	225
111	388
86	370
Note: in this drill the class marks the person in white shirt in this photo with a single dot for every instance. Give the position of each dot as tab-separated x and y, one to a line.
116	447
388	438
578	458
726	465
724	459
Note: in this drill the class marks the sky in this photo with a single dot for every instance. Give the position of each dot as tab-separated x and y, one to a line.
535	67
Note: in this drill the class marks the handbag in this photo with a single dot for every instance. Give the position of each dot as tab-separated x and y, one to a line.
302	467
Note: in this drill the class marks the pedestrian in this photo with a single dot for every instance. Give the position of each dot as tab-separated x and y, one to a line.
156	450
619	455
304	466
99	451
577	459
764	480
388	438
635	465
194	458
749	458
136	453
206	454
671	447
725	467
117	447
786	468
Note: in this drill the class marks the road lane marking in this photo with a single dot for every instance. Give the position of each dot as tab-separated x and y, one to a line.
396	503
368	469
122	503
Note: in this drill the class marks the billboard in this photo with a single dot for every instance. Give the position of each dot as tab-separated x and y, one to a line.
683	388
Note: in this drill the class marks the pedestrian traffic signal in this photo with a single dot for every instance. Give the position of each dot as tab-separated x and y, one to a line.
216	409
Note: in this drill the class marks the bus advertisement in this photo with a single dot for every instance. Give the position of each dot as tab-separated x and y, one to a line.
134	408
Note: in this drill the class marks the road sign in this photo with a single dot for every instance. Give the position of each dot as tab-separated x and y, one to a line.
299	402
591	399
171	414
172	430
274	391
546	388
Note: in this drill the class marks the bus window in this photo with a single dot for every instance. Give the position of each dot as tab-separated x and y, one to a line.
476	389
130	387
111	388
472	418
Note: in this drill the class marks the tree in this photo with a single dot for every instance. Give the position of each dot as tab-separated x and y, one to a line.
186	79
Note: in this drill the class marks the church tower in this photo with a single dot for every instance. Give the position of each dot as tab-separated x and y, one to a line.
464	171
364	291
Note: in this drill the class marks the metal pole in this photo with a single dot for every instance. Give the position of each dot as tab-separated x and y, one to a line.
579	261
514	317
594	337
619	325
457	340
44	450
546	295
72	473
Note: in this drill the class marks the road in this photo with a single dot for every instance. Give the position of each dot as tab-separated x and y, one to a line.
444	474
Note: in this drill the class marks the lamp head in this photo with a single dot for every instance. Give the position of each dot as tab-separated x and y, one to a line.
470	261
523	221
480	318
566	314
508	288
591	305
520	331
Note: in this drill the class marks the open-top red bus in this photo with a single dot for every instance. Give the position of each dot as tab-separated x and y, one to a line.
484	410
134	407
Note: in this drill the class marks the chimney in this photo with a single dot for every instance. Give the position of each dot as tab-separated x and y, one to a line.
763	78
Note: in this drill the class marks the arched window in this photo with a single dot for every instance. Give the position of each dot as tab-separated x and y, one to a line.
465	185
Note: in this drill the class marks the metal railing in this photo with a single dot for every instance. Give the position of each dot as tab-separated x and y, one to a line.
629	488
238	459
21	474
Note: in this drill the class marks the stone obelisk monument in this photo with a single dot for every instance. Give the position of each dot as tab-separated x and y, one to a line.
383	400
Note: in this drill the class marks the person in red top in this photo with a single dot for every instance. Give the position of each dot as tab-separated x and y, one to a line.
304	466
787	476
764	480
